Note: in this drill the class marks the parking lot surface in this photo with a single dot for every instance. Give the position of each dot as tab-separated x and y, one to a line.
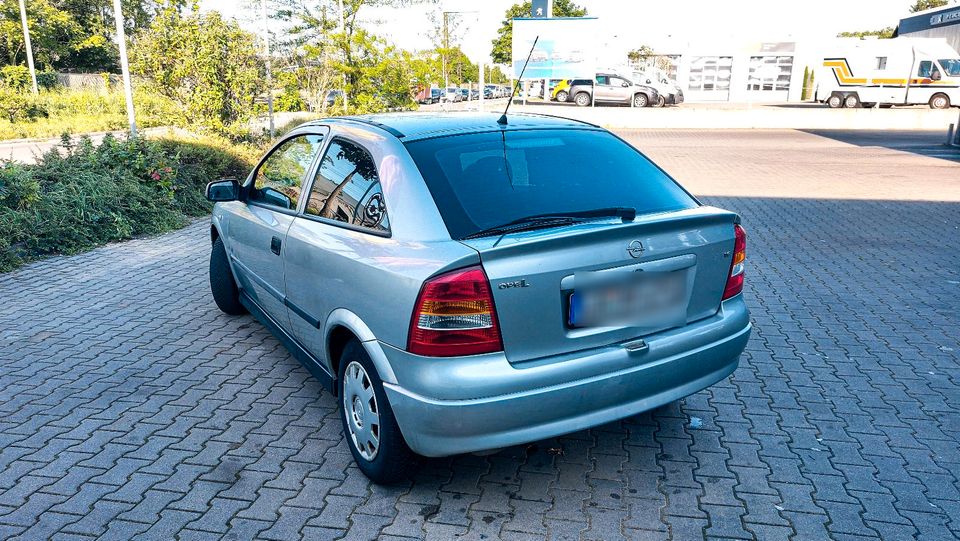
131	408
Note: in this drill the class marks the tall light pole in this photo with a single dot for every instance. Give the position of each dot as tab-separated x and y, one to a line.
124	66
266	51
26	40
343	35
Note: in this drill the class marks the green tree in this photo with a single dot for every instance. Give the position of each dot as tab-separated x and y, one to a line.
883	33
202	61
502	52
378	75
54	33
921	5
71	34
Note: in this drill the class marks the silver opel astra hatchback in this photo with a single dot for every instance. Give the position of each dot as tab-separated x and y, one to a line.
464	285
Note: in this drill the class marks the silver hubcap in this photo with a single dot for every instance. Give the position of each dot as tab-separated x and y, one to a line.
639	101
361	409
582	99
835	102
851	102
939	102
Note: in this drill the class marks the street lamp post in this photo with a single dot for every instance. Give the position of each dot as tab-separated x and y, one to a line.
29	48
266	50
124	66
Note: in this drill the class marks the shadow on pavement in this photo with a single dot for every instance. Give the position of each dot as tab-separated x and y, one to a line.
925	143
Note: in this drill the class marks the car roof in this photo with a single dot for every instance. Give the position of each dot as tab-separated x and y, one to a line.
421	125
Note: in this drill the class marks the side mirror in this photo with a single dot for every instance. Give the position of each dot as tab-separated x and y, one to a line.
624	84
649	81
276	198
935	76
225	189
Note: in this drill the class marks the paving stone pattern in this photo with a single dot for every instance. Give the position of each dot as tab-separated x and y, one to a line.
130	408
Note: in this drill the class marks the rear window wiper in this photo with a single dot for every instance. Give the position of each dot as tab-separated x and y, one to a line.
526	225
554	219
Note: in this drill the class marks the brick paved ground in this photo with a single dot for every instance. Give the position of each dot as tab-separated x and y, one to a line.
131	408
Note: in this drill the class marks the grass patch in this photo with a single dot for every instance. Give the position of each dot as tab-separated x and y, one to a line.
84	195
55	112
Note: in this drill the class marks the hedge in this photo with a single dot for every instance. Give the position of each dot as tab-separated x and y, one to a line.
82	195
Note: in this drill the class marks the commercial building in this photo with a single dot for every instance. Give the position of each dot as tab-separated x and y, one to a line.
736	71
943	22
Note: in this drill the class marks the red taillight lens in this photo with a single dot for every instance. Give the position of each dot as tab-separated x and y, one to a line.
455	316
735	278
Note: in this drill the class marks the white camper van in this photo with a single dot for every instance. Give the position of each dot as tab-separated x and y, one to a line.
885	72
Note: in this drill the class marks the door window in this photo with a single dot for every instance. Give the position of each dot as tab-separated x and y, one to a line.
928	70
603	80
347	188
279	178
618	82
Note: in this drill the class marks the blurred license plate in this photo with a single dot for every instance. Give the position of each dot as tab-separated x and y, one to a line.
641	299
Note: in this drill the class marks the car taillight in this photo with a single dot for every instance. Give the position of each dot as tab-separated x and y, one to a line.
735	278
455	316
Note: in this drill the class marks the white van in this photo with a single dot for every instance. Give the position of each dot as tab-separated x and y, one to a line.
885	72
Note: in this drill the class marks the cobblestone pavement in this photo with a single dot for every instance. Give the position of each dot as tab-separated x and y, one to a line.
131	408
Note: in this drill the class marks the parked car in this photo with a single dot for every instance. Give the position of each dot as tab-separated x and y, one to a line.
670	92
454	305
561	91
612	88
428	96
465	94
453	95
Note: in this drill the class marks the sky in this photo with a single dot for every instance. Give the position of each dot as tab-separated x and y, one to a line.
630	20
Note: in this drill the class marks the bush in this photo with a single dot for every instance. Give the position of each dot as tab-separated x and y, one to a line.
15	77
47	80
18	106
81	195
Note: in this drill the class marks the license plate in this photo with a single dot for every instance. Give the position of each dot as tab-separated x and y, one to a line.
640	299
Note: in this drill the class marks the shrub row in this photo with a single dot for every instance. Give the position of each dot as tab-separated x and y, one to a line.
82	195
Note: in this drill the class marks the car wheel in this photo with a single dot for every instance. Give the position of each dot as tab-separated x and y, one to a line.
640	100
661	102
562	96
852	101
369	426
583	99
222	284
940	101
835	101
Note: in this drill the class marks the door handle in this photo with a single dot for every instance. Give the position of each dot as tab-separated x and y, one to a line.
275	245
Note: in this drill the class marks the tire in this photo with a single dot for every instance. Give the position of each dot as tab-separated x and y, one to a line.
562	96
363	405
582	99
661	102
835	101
852	101
940	101
222	284
640	100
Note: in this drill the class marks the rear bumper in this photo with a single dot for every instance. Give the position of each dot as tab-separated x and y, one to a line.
548	398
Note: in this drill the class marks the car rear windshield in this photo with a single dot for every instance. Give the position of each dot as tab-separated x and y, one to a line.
484	180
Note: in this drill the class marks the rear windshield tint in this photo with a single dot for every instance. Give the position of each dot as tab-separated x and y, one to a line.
484	180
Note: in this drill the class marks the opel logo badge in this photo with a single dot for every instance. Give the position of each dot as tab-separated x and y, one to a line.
635	249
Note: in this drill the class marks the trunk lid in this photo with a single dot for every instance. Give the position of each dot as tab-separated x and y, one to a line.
532	274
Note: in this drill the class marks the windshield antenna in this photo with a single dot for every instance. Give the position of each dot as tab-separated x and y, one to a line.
503	118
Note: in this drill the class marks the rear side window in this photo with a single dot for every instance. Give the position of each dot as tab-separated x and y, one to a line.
347	188
484	180
279	178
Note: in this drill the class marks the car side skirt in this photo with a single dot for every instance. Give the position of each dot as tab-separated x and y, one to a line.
299	352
